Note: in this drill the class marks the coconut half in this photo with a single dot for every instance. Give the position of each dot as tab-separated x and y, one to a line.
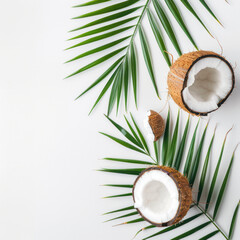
154	125
162	195
200	82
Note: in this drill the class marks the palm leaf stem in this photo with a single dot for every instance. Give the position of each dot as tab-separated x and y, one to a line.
212	221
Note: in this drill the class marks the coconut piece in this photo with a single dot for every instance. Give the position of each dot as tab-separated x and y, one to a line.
200	82
162	195
155	125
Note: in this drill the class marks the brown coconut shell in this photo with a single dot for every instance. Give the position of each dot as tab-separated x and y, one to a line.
178	77
157	124
184	189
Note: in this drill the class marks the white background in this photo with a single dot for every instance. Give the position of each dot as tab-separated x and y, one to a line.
50	147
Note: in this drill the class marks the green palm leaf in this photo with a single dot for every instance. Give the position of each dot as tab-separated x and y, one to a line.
128	171
209	10
188	220
115	87
214	179
158	36
190	152
129	161
209	235
173	146
126	81
223	187
123	216
123	143
166	140
204	170
99	49
97	62
147	57
93	2
119	89
140	135
233	223
120	210
190	8
102	77
107	86
180	151
105	28
101	37
192	231
173	8
124	132
133	69
120	195
156	150
108	9
195	164
107	19
118	185
134	132
167	26
132	221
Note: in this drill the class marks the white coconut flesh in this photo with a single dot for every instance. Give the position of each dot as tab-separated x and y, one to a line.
156	196
209	82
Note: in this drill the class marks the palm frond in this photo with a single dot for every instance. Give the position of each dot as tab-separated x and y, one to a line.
234	219
158	36
129	161
190	152
118	185
147	57
209	10
209	235
126	17
195	164
140	135
191	168
188	220
93	2
120	195
124	132
129	171
123	216
137	220
173	146
181	148
166	25
108	9
173	8
223	187
126	80
166	140
192	231
124	143
120	210
214	179
204	169
190	8
156	151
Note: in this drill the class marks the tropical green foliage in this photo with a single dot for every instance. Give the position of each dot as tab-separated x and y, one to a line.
169	151
121	18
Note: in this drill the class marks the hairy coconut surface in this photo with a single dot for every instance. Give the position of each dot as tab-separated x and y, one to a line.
200	82
155	125
162	195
